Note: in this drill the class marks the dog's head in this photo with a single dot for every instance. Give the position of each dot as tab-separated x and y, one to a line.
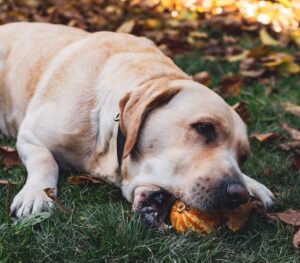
184	138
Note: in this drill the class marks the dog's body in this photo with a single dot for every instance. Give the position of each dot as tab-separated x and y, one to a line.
60	90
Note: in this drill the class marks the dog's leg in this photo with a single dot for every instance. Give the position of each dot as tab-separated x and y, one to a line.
42	172
259	191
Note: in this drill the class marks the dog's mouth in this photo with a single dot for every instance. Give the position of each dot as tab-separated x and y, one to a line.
155	211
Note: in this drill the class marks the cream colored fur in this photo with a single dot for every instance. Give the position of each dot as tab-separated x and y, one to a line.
60	89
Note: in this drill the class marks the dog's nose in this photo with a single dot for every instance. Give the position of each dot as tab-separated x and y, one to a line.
237	193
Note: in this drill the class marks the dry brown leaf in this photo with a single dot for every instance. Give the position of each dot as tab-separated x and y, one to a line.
264	137
84	179
4	182
291	108
231	85
237	218
126	27
50	192
290	146
293	133
289	216
296	239
229	39
242	110
166	50
9	157
250	67
252	73
259	52
296	162
8	148
267	171
203	77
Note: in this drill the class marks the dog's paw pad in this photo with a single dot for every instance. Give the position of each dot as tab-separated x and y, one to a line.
262	193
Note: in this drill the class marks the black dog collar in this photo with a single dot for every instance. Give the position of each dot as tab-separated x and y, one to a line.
120	145
120	141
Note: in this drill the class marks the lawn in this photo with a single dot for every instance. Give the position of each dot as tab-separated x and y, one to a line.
100	226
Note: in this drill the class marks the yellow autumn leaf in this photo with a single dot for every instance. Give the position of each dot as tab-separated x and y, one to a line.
286	3
266	39
295	36
238	57
153	23
126	27
293	68
277	59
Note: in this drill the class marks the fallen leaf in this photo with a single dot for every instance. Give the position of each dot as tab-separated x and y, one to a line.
252	73
84	179
276	59
213	48
289	216
264	137
293	133
266	38
296	239
296	162
231	85
152	23
203	77
242	110
50	192
267	171
198	34
229	39
8	148
290	67
4	182
259	52
9	157
237	218
291	108
295	35
237	57
126	27
269	90
249	67
290	146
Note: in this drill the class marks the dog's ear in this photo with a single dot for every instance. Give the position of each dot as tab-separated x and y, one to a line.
134	107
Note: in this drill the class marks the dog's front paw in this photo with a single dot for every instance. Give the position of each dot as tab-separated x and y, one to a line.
261	192
30	201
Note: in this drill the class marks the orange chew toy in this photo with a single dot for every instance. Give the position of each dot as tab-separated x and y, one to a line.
184	218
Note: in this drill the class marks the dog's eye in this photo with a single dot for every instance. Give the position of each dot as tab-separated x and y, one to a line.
207	130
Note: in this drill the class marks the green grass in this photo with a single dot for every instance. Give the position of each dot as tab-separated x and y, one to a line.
101	227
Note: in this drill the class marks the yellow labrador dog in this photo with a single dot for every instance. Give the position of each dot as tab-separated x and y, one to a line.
114	106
